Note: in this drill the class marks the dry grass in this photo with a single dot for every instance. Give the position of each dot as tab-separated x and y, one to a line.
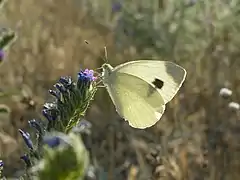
198	136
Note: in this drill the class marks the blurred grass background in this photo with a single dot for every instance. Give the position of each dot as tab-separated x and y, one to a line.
198	136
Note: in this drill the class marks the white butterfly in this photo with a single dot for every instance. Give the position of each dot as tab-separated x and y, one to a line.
140	89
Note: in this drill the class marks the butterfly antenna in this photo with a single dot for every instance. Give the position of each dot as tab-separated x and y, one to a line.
105	59
98	68
105	52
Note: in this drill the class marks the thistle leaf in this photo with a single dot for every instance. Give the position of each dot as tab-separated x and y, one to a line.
68	161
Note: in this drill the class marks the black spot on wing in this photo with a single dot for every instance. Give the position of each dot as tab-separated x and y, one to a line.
158	83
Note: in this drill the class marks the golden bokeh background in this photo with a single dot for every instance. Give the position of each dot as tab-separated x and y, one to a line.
198	136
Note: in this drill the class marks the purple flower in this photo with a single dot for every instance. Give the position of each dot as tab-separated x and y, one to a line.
36	124
191	2
50	106
60	87
52	141
55	140
116	7
83	126
1	163
50	114
55	94
26	159
1	55
66	81
86	75
26	138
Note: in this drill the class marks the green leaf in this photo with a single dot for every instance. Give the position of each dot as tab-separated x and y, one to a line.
2	3
65	162
7	37
4	108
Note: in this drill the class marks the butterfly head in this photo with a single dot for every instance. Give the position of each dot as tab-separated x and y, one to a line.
107	70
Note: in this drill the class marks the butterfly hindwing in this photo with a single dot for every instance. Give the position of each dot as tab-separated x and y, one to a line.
133	100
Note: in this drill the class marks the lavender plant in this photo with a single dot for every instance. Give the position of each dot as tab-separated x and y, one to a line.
1	168
59	152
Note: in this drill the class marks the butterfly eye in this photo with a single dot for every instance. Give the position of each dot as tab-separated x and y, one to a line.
158	83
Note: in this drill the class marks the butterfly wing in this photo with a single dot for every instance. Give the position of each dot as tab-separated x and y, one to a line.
133	101
166	77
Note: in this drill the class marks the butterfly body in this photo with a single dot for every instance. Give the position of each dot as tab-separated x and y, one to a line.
140	89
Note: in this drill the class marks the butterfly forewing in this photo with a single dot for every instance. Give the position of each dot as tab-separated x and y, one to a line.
165	76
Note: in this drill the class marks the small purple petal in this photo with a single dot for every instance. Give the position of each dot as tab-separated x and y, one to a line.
49	106
26	138
66	81
86	75
83	126
116	7
26	159
55	94
60	87
35	124
1	55
52	141
50	114
1	163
